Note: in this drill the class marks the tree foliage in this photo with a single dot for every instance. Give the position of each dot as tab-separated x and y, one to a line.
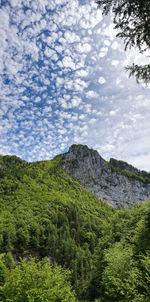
120	275
43	213
132	20
37	282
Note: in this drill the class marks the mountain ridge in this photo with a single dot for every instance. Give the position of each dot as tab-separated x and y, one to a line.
117	186
116	182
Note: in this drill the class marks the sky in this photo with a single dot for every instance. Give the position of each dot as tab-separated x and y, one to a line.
62	82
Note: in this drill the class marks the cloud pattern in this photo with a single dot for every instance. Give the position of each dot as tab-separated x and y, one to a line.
62	81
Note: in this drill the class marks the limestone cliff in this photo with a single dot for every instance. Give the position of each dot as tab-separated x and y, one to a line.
112	184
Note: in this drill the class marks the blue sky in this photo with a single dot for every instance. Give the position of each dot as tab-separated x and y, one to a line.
62	81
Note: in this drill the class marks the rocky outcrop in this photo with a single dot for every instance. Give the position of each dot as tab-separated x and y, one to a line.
123	166
95	175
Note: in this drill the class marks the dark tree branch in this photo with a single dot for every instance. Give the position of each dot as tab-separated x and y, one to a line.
132	20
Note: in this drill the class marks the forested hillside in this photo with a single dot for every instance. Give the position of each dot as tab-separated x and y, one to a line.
94	252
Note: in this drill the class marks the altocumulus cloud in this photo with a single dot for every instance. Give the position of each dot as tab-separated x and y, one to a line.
62	81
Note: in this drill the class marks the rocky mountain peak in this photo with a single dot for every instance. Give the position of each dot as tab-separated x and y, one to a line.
82	151
111	182
82	162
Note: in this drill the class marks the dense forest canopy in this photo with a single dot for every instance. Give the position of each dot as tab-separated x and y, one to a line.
132	20
43	213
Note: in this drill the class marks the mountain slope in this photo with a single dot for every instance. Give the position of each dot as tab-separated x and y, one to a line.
116	182
43	212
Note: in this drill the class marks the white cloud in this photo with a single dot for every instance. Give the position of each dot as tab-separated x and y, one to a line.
37	99
76	84
91	94
75	102
47	109
110	31
4	20
46	81
107	42
112	113
59	81
68	62
82	73
115	45
92	121
86	47
49	52
62	131
107	148
114	62
104	50
71	37
101	80
16	3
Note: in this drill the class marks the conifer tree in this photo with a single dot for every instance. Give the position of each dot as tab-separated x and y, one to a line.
132	20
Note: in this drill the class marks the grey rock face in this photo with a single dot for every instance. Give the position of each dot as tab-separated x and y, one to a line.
119	164
90	169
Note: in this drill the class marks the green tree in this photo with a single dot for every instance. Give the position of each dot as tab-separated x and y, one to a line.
120	275
3	271
145	278
37	282
132	19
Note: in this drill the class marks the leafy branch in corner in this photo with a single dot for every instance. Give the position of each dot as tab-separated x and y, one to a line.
132	19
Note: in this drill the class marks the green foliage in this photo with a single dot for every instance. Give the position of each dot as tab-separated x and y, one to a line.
121	260
45	213
37	282
3	271
132	20
119	277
